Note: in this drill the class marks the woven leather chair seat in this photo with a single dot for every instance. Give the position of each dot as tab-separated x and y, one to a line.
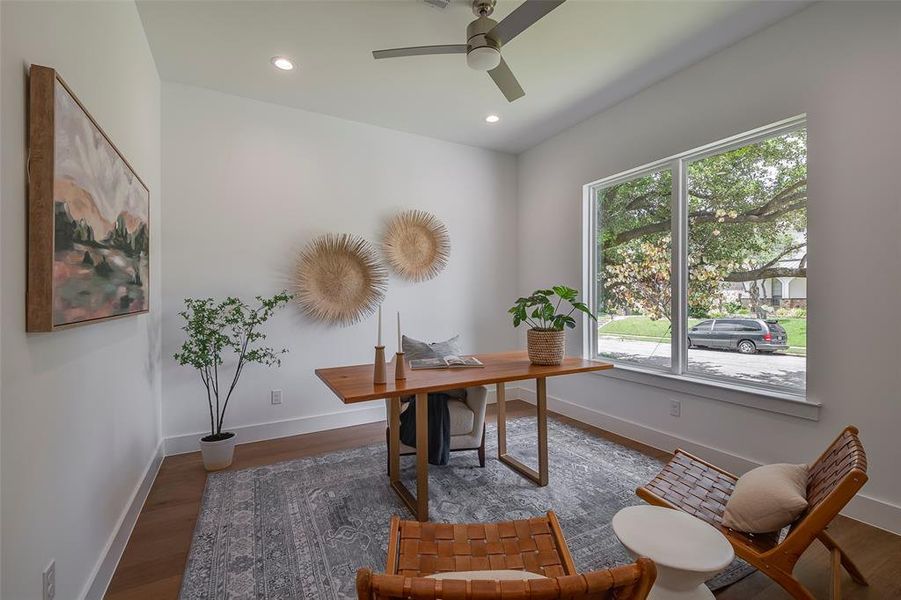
528	545
417	550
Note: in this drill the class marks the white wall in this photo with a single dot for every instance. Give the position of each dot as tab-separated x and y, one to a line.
1	329
81	408
249	183
837	62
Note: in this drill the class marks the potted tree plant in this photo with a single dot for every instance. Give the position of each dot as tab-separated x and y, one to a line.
546	335
214	328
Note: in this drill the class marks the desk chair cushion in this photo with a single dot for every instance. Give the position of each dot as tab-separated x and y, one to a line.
467	420
461	418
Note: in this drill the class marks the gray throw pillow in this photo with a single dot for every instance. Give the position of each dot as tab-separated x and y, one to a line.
416	350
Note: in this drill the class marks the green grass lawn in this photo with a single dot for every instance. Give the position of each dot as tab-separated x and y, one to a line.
639	326
796	329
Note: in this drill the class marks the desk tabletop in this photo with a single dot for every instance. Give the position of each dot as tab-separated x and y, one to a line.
354	384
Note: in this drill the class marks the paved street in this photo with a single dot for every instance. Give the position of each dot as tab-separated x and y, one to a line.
772	369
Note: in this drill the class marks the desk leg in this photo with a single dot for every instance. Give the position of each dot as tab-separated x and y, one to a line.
541	389
394	439
501	420
541	475
419	504
422	457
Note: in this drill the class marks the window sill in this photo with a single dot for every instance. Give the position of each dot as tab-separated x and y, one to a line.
772	401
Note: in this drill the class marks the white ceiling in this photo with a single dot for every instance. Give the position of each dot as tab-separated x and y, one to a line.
581	58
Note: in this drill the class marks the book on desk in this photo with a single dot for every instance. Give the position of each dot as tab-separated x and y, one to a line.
451	361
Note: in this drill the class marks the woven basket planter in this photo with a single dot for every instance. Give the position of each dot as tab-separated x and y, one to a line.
546	346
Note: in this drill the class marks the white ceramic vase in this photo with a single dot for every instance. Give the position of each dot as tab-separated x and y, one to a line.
218	454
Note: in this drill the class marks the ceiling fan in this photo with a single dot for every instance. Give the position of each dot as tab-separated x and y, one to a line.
484	39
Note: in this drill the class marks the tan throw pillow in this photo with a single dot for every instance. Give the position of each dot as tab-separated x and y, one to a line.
767	498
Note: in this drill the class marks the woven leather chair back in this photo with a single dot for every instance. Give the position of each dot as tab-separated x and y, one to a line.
627	582
845	454
833	479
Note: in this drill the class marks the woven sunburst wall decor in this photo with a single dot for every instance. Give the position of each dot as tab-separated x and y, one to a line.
339	279
416	245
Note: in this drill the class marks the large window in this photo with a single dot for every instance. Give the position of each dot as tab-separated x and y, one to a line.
699	262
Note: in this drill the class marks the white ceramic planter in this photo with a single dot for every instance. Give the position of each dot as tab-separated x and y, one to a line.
218	454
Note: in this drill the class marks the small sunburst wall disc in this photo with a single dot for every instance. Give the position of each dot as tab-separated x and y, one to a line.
416	245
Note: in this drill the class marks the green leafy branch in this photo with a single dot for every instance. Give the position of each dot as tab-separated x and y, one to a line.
213	328
540	311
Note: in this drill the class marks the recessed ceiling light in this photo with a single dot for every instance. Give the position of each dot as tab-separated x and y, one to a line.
492	119
280	62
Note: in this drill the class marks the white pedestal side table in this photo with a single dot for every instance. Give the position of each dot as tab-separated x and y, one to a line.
686	550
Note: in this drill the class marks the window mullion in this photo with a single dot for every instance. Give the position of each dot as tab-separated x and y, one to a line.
679	267
590	270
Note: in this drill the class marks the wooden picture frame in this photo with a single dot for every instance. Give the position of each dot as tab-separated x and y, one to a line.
88	216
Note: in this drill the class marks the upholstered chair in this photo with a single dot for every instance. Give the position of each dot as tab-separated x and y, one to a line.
467	423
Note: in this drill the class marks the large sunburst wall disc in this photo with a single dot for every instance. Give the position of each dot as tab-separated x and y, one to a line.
416	245
339	279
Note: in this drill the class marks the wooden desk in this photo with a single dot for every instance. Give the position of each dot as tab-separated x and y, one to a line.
354	384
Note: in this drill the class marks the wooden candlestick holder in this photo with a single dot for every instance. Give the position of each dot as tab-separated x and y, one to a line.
379	371
400	367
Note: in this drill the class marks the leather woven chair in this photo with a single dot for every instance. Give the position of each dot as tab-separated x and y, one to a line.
533	546
699	488
467	423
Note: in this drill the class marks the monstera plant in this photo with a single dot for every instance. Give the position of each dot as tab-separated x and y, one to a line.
541	311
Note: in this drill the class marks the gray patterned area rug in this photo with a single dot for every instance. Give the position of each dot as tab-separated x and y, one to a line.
301	529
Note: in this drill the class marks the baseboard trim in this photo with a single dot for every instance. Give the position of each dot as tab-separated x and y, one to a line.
873	511
186	443
103	572
246	434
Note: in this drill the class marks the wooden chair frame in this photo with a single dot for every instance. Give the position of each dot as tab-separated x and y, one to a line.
835	477
540	541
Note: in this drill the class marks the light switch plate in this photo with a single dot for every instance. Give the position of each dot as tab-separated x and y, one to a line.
275	396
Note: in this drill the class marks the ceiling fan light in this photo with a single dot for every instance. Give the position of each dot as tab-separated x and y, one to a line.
483	58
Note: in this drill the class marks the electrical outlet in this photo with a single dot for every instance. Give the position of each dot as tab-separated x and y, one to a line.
49	578
675	408
275	396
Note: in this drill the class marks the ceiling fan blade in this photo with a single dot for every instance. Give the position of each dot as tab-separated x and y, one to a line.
420	51
506	81
524	16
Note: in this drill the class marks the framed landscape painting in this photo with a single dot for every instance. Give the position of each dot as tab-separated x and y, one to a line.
88	216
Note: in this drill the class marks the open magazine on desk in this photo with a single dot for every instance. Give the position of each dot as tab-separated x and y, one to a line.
450	361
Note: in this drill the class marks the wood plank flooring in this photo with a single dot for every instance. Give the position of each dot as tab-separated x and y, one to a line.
152	565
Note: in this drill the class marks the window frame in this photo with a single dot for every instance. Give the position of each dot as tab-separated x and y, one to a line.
677	376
